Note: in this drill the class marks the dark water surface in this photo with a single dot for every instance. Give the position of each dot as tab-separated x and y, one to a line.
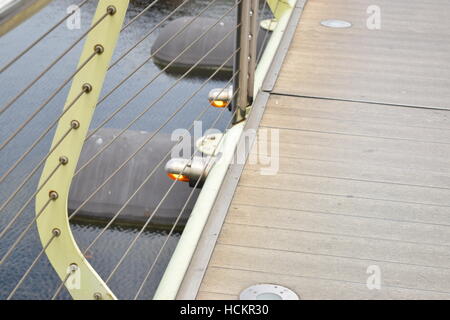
42	282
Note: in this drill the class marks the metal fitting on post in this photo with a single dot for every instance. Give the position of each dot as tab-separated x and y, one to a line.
98	296
99	49
87	88
111	10
75	124
63	160
56	232
53	195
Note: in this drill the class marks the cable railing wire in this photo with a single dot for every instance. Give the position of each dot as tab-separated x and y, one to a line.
164	159
51	65
85	89
43	161
124	105
16	216
139	67
42	37
32	173
55	234
148	34
151	5
18	96
150	107
92	194
24	233
97	51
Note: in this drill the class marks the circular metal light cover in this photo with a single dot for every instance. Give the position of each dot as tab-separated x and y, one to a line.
209	144
336	24
268	292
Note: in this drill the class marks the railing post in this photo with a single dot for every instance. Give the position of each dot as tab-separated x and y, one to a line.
245	61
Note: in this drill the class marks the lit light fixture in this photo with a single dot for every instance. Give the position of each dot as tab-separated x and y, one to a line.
187	170
221	98
268	292
179	177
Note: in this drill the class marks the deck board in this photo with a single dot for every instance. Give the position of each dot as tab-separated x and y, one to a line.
404	63
363	178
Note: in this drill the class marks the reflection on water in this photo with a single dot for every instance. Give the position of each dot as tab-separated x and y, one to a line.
42	282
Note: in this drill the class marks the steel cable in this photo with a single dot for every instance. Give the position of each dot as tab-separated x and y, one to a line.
179	32
32	83
86	89
124	105
25	275
32	173
92	194
52	96
148	34
22	210
24	233
148	108
31	46
151	5
152	172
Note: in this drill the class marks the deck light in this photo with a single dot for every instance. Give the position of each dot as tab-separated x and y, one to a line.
268	292
338	24
221	98
179	177
187	170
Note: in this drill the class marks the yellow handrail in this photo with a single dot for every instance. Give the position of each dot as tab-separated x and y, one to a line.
51	202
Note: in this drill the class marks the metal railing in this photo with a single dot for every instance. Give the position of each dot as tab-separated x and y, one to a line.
71	127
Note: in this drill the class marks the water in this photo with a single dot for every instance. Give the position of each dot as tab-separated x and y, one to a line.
42	282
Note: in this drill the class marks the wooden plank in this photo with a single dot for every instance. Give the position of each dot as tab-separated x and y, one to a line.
361	64
328	267
410	150
332	204
306	287
418	118
359	171
387	131
349	188
316	242
361	152
345	225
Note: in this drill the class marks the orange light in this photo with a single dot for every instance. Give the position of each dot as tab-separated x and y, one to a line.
178	177
219	103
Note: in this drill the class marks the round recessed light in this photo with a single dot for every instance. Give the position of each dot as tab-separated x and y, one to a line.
336	24
268	292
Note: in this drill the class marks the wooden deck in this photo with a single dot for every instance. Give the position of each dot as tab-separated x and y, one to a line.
364	176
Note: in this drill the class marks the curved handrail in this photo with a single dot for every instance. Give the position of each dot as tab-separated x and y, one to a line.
81	280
